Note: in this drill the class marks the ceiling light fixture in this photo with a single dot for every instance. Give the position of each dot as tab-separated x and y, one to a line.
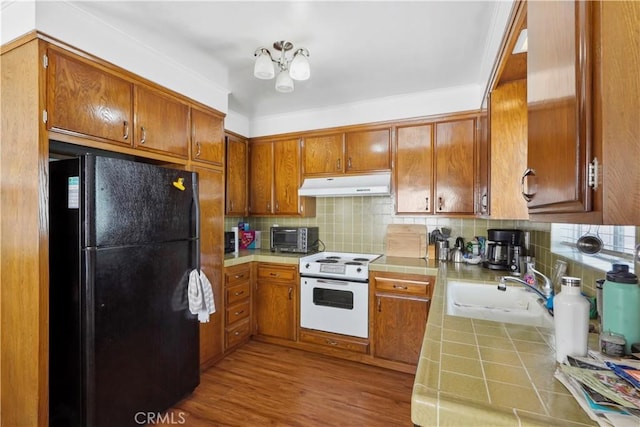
290	69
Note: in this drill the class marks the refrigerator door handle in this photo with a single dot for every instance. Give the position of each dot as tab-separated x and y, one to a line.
196	214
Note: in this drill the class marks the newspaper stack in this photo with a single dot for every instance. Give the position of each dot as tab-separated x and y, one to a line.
608	390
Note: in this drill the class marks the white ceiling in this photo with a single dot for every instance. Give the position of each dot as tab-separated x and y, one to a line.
359	50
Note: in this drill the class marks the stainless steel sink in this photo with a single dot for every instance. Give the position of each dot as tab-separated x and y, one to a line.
484	301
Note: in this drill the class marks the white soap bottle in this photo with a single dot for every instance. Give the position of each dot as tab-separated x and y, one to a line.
571	319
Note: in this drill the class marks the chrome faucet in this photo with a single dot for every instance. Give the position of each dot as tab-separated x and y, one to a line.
546	293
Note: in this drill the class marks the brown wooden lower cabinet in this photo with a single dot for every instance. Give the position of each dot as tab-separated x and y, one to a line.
400	309
276	301
237	334
237	285
399	306
334	341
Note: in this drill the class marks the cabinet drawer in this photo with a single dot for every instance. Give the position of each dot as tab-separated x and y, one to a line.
237	274
238	293
238	312
404	287
334	341
272	272
237	333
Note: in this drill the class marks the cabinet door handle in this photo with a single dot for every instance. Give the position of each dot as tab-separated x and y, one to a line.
277	275
379	305
349	163
527	196
290	293
426	207
483	202
237	294
277	207
126	130
404	288
440	203
236	333
230	205
143	137
331	342
268	206
238	313
198	149
338	165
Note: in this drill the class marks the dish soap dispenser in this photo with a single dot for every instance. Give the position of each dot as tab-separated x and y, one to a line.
571	320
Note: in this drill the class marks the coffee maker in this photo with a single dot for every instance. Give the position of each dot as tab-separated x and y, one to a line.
504	250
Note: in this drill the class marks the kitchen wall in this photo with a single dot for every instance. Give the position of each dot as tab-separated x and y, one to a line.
358	224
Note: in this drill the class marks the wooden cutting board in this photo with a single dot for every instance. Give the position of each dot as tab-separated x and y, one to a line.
406	240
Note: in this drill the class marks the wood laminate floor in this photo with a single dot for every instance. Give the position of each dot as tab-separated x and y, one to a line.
267	385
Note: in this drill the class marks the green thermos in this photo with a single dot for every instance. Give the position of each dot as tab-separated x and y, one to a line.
621	304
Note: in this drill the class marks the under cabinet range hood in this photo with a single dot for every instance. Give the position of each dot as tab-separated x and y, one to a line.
352	185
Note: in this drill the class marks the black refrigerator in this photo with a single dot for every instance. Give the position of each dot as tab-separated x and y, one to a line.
124	237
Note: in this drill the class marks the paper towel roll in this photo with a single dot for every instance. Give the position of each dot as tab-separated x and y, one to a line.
236	240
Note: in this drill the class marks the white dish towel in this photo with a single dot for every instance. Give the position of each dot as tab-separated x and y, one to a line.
200	296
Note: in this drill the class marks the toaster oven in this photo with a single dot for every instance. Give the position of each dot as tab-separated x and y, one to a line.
301	240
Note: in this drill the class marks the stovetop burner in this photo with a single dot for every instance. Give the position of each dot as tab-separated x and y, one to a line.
328	260
353	263
361	259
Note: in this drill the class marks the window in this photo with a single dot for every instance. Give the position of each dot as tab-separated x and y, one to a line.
618	244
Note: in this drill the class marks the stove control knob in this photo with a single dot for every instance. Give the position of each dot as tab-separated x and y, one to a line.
306	265
359	270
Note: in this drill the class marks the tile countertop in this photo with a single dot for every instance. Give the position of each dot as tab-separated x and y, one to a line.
472	372
261	255
479	373
384	263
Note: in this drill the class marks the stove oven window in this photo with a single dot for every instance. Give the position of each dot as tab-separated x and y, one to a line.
333	298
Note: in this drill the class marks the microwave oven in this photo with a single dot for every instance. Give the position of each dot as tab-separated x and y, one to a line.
229	242
302	240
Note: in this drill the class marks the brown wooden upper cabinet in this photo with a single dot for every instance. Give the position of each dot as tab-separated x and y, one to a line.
237	177
356	151
161	122
558	77
435	167
455	150
414	169
207	137
261	178
503	131
508	124
323	154
275	178
87	100
368	150
584	132
84	99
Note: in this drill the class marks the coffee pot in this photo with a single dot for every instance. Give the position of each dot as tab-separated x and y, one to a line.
503	250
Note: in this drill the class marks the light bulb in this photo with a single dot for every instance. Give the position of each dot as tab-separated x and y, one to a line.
300	69
284	83
263	68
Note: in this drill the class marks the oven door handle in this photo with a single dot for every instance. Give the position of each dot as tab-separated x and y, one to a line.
333	282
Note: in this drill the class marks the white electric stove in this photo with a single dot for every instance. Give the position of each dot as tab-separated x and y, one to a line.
334	292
